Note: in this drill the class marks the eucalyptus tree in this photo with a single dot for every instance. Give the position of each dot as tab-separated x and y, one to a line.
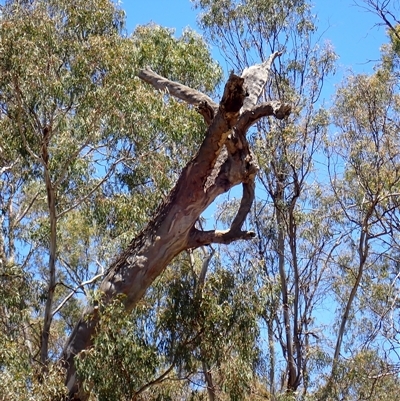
291	216
78	158
100	148
222	161
99	126
366	186
191	336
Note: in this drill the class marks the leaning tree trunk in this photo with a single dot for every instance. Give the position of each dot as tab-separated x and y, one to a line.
223	161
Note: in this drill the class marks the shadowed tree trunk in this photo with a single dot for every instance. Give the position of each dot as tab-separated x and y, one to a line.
223	161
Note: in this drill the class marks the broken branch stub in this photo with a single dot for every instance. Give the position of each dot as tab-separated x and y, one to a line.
256	78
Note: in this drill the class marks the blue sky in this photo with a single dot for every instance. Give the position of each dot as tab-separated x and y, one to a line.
349	28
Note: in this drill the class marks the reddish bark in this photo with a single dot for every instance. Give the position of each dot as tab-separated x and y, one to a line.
223	161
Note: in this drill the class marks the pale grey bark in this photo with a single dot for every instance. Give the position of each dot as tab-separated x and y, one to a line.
256	77
180	91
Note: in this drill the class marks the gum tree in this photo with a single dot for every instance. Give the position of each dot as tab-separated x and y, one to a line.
73	110
366	188
290	216
80	148
223	160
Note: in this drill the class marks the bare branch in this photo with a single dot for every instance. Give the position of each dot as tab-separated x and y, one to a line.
159	379
199	238
381	9
183	92
384	374
245	205
73	292
249	117
79	201
21	215
7	168
207	111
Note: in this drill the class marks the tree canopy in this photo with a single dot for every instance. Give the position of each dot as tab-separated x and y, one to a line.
113	285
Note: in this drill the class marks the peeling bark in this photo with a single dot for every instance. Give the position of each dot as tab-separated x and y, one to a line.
223	161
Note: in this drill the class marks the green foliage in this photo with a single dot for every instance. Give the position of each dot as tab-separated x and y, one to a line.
174	331
75	119
394	38
20	376
364	376
121	360
185	60
74	113
20	383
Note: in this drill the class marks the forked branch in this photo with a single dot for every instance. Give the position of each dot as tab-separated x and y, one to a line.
223	160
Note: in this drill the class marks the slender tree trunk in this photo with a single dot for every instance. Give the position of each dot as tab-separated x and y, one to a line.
272	362
280	220
209	382
199	292
296	301
363	252
291	366
51	202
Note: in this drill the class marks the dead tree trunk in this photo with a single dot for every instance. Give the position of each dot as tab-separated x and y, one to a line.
223	161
